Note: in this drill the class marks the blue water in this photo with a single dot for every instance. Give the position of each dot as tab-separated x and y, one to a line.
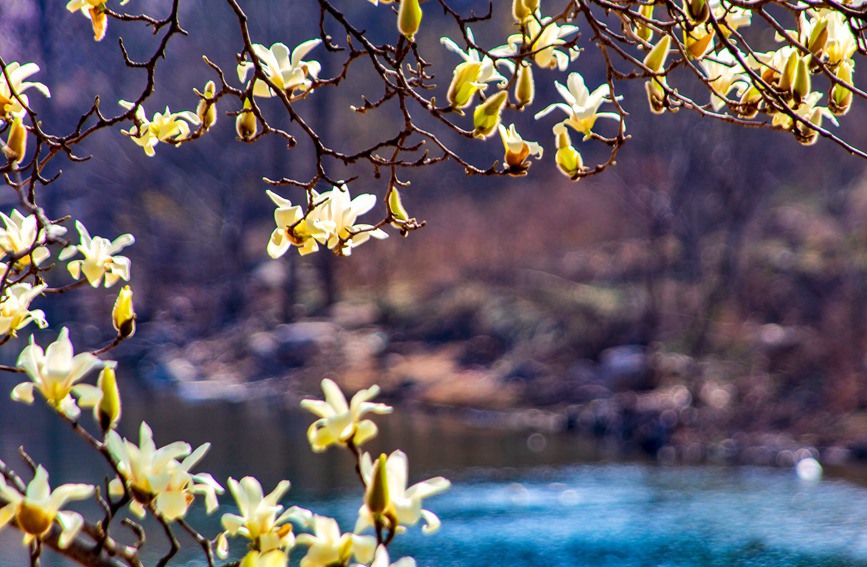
631	515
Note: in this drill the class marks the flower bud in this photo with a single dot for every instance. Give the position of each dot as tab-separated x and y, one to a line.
123	314
787	78
568	159
108	410
464	84
395	206
99	21
520	11
245	124
656	94
802	85
525	89
642	30
377	497
698	45
206	111
840	99
655	59
486	117
818	37
409	18
697	10
16	146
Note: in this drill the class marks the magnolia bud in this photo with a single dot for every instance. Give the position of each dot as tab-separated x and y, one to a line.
486	117
525	89
568	159
656	95
698	10
464	84
840	99
818	37
641	30
99	21
395	206
245	124
697	46
123	314
377	497
655	60
108	410
206	111
409	18
787	78
520	11
16	145
802	85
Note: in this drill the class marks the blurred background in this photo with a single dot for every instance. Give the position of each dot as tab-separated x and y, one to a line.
702	302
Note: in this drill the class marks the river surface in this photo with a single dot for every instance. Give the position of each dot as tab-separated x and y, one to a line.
517	500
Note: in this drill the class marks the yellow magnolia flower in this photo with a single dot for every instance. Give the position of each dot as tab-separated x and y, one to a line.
341	423
543	36
38	508
15	312
261	520
54	373
568	159
17	85
724	73
336	216
93	10
471	76
517	150
16	145
402	505
286	69
582	106
100	258
21	234
409	18
169	127
327	546
293	229
487	115
156	476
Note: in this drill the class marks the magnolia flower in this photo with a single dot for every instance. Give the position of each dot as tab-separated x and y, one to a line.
169	127
15	310
16	85
99	258
730	18
810	112
93	10
285	69
21	234
568	159
341	423
293	229
724	72
401	505
329	547
487	115
337	215
543	37
54	373
381	559
581	106
156	477
841	44
517	151
35	511
123	313
472	75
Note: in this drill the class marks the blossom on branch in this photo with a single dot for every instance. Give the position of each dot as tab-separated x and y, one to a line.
471	76
54	373
341	423
16	85
35	511
169	127
286	69
396	504
100	258
157	477
22	234
582	106
327	546
15	312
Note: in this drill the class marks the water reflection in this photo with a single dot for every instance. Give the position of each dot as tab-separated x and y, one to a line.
518	500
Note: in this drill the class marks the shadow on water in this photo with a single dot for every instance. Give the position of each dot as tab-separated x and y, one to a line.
520	500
